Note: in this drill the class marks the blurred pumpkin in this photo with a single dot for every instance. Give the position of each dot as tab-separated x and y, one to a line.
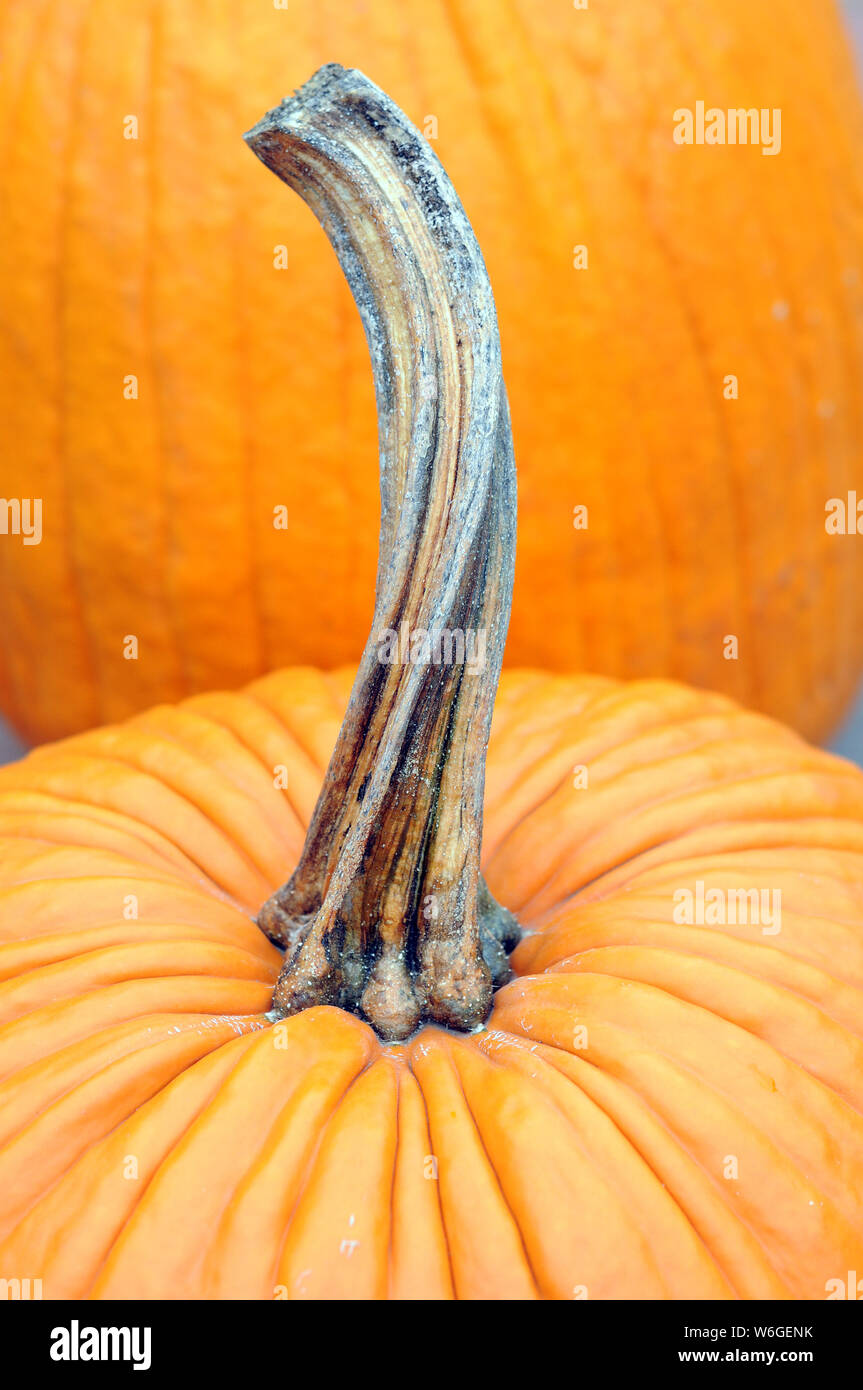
706	515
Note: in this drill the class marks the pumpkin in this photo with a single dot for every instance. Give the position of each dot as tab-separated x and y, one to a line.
653	1110
662	1101
156	389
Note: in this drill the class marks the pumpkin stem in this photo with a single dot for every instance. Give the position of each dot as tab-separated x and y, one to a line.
386	913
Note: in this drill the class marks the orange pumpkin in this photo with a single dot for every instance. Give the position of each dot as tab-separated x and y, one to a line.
665	1101
653	1110
706	516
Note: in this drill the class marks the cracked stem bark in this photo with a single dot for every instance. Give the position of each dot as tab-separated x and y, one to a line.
386	913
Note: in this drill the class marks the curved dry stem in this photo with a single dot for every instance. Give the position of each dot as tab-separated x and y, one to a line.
386	913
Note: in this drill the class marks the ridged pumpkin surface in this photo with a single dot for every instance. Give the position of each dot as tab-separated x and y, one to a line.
160	1138
155	258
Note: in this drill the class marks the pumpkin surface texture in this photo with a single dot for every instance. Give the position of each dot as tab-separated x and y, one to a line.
663	1098
157	257
580	1141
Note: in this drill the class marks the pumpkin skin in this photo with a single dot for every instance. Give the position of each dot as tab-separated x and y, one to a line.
527	1160
706	516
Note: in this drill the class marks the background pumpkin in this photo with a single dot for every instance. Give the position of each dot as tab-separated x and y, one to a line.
706	516
581	1141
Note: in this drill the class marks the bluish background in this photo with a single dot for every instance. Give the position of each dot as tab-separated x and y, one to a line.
849	739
